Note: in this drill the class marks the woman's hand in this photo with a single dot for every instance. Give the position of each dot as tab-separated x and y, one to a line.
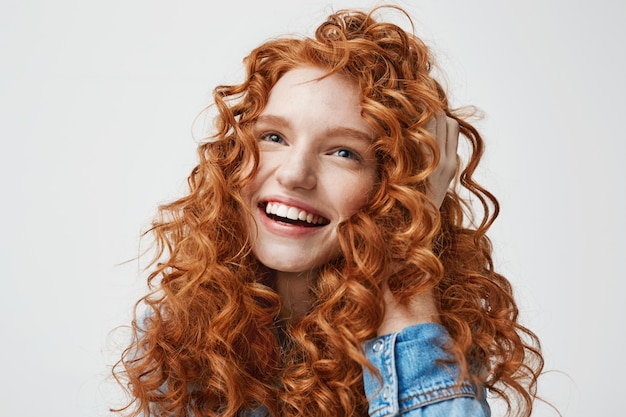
422	307
446	132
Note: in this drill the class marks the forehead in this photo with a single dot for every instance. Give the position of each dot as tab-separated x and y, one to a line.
308	93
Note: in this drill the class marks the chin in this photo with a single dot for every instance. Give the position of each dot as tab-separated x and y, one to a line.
291	268
295	266
293	256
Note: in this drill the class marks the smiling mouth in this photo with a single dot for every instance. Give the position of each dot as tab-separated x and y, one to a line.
292	215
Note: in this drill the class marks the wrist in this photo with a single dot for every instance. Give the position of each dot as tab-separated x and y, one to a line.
398	316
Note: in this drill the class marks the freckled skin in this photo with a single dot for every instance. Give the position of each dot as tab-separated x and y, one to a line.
315	156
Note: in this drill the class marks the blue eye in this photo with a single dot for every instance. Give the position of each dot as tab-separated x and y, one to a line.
272	137
345	153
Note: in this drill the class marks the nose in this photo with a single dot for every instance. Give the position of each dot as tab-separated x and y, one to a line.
297	170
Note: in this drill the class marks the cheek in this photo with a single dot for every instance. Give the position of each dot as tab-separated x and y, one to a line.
249	174
356	194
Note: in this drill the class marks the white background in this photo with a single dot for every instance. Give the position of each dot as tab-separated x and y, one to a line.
97	101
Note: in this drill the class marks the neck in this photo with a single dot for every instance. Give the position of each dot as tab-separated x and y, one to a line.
293	289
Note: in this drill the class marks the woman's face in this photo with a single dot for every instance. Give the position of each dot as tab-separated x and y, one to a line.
316	169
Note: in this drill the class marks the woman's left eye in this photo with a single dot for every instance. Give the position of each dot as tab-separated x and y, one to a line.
346	153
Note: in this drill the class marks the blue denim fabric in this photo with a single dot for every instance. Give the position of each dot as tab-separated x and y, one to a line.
414	383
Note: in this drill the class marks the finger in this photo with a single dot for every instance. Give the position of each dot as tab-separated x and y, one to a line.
431	126
437	126
452	137
440	133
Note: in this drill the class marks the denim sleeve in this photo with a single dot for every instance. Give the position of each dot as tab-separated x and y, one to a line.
414	381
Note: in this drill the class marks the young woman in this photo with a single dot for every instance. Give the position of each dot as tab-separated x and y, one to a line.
320	264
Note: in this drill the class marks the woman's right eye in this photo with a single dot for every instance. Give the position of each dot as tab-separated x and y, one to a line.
272	137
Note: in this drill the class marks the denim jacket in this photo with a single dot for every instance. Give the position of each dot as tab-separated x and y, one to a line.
414	381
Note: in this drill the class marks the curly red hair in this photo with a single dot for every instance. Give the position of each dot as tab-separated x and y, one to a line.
210	343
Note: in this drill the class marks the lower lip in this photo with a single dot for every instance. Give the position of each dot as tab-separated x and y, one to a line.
287	229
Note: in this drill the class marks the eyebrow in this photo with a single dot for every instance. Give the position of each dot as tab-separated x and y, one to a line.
332	131
274	120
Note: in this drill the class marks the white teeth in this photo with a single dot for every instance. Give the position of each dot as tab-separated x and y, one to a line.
292	213
281	211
